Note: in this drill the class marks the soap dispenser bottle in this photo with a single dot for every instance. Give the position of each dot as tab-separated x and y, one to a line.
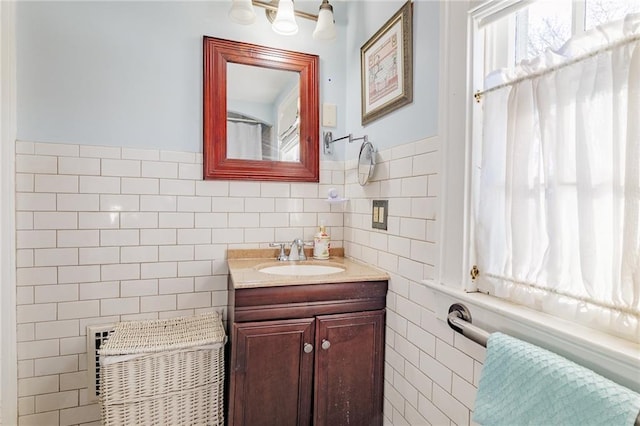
321	243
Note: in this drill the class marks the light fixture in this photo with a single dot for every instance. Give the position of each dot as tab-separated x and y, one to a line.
282	13
285	23
326	26
242	12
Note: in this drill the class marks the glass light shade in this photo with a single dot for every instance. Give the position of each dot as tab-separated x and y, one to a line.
242	12
326	27
285	22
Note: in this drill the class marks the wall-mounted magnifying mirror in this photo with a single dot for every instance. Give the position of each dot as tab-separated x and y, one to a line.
366	158
366	162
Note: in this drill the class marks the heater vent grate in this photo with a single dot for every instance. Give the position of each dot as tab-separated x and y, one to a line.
96	336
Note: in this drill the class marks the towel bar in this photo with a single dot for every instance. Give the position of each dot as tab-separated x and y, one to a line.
459	319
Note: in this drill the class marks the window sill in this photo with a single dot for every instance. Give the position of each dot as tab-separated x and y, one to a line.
610	356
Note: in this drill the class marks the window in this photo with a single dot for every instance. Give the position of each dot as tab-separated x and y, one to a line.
598	12
555	159
546	24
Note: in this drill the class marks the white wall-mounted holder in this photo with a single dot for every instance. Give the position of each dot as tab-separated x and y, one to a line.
334	198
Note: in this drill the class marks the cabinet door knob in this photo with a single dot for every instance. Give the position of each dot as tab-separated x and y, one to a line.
325	344
308	348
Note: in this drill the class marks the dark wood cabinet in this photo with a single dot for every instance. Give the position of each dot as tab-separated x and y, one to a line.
271	372
307	354
349	369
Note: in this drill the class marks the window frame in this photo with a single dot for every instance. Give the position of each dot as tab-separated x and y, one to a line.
481	31
480	20
606	354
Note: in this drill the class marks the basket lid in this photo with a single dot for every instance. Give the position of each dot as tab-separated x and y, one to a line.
133	337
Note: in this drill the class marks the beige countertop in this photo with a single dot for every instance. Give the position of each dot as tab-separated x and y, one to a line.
244	268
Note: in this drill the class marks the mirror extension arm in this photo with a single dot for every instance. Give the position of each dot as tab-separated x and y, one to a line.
328	140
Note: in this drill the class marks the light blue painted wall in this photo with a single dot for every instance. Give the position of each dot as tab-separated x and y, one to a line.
411	122
130	73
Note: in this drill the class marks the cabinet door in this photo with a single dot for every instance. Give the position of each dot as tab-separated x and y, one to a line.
349	369
271	373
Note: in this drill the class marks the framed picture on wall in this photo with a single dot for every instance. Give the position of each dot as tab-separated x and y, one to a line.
386	65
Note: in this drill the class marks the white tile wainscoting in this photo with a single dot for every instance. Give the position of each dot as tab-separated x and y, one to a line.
107	234
431	373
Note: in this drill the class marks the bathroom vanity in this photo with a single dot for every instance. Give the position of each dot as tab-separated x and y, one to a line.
305	349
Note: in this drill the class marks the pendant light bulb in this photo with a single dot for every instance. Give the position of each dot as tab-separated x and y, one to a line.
285	22
326	26
242	12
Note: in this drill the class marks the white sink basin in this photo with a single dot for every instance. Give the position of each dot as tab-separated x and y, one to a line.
301	269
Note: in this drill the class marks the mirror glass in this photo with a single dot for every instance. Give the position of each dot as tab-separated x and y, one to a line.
263	113
366	163
260	113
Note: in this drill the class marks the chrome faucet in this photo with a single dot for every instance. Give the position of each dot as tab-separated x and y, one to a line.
296	252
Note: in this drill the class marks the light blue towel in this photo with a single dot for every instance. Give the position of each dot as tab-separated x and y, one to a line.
522	384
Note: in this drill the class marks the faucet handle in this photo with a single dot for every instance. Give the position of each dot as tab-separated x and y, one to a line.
282	256
304	244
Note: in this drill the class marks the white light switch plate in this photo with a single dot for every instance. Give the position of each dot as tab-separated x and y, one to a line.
329	115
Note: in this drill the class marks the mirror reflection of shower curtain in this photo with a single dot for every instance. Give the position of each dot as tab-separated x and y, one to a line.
244	140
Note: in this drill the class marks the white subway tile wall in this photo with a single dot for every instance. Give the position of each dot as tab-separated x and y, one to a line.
107	234
429	379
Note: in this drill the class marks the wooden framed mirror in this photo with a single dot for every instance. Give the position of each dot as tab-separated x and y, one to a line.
279	143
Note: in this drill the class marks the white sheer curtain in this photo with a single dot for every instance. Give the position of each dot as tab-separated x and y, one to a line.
244	140
558	208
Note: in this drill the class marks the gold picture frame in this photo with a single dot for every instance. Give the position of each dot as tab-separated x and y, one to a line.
386	66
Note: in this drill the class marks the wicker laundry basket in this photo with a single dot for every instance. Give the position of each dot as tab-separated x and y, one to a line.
164	372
